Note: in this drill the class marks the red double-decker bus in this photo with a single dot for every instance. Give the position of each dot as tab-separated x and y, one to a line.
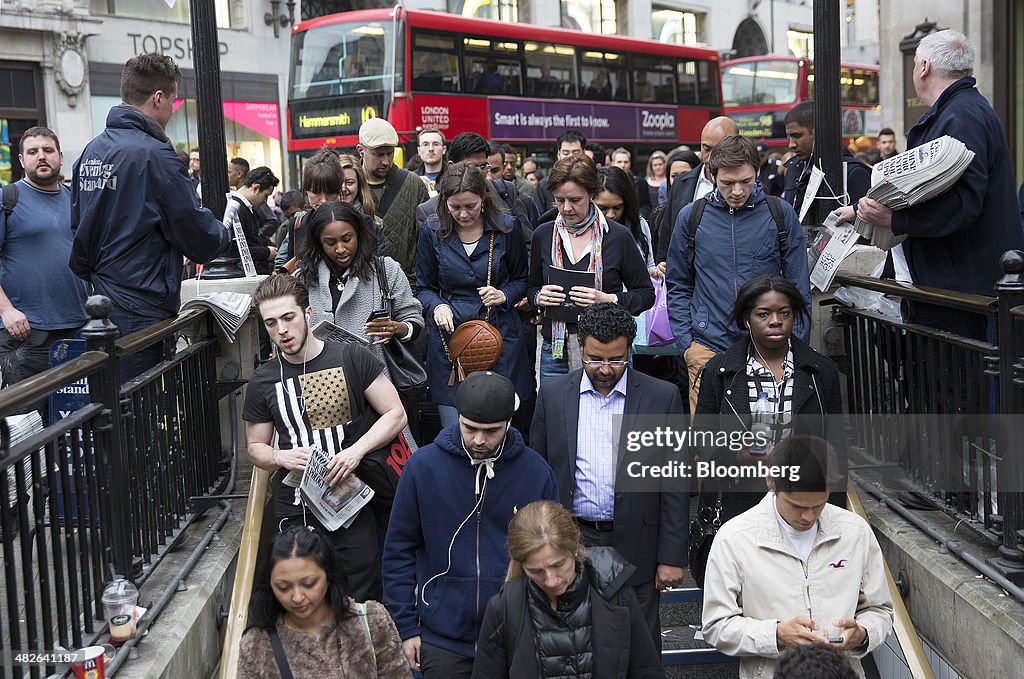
514	83
758	92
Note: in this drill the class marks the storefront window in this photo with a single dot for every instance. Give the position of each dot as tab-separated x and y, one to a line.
252	129
589	16
230	13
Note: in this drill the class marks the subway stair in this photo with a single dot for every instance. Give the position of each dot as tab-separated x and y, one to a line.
684	654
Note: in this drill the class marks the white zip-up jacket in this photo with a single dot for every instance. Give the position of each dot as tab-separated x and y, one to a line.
755	580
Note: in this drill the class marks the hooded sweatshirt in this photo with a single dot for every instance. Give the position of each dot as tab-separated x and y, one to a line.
445	553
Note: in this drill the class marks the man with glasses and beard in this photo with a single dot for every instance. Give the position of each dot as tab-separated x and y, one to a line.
574	428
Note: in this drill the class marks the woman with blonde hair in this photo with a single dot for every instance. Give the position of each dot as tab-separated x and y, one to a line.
657	171
563	611
354	187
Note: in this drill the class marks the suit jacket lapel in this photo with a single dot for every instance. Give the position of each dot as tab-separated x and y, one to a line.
572	421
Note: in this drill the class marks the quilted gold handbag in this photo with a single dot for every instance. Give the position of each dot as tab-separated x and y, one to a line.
476	344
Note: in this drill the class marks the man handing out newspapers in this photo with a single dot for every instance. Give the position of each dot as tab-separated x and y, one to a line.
953	240
310	395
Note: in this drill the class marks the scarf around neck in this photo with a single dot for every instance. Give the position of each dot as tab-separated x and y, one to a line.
595	218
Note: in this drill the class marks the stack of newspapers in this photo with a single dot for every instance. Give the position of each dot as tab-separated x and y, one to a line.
19	428
229	308
913	177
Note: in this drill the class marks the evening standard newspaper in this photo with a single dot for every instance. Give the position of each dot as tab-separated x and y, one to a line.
828	250
914	176
230	309
334	506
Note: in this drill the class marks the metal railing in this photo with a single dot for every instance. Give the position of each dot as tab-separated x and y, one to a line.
946	407
104	491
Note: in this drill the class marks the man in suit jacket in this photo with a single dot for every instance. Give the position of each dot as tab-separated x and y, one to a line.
698	181
574	429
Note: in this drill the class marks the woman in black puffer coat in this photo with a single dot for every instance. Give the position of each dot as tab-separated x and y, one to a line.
563	613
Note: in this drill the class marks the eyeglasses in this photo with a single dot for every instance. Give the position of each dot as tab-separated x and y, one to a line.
590	363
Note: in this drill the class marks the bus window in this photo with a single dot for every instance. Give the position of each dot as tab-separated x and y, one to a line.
435	68
708	78
653	80
550	71
859	86
492	66
756	83
342	59
603	76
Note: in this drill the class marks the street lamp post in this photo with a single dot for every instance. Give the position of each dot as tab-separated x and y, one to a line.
209	108
828	138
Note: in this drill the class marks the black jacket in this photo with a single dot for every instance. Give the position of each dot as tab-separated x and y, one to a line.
679	196
723	393
858	181
621	640
955	240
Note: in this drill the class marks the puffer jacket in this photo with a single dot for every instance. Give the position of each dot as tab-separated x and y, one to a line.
755	579
565	637
732	246
621	641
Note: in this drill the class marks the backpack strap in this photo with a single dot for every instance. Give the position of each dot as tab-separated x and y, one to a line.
776	214
282	659
696	212
10	198
395	184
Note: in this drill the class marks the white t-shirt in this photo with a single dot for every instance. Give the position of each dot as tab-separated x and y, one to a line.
802	541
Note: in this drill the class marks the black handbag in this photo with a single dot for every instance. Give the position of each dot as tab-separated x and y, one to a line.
407	373
702	533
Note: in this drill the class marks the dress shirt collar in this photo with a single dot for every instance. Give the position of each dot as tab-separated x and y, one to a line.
620	386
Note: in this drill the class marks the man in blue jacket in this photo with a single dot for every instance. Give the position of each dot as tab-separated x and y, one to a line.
445	554
134	211
737	235
954	241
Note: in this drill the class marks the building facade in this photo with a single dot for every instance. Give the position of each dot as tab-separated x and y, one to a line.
61	61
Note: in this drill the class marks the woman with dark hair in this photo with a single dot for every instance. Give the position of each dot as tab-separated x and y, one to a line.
471	264
321	183
582	239
801	384
342	271
619	202
563	607
300	606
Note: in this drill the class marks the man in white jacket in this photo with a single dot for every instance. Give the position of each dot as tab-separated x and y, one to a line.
795	570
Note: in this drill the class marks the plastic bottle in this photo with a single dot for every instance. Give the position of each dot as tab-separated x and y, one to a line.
119	600
762	416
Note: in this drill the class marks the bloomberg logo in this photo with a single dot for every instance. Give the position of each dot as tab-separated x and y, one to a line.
657	120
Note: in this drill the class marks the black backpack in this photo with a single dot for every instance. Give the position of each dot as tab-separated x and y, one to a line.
698	211
10	199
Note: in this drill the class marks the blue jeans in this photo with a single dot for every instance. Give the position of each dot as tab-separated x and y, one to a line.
551	366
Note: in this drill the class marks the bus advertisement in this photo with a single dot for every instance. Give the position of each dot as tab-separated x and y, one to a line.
514	83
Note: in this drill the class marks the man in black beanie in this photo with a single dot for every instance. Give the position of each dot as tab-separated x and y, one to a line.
445	554
795	570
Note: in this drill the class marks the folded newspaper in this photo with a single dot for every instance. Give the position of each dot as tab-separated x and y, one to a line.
229	308
828	250
334	506
326	330
913	177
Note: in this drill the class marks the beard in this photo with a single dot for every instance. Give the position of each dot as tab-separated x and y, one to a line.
299	343
50	175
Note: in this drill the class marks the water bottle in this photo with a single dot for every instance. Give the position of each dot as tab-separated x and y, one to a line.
763	416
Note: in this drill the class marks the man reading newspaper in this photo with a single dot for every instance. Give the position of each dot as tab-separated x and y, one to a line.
309	395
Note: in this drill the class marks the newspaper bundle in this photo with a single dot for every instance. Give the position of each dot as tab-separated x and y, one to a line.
913	177
229	308
334	506
828	250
